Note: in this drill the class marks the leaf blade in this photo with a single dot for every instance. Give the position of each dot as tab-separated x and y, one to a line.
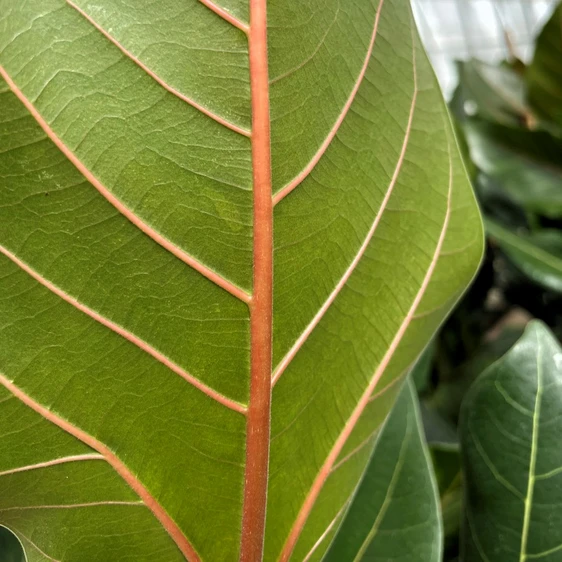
539	255
516	469
359	536
179	442
544	77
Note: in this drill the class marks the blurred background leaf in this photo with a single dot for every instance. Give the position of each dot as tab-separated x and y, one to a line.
394	514
10	547
538	255
508	119
510	428
545	72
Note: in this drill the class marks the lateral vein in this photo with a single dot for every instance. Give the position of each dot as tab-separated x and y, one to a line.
326	468
117	464
119	205
357	258
154	76
227	16
295	182
73	505
217	396
54	462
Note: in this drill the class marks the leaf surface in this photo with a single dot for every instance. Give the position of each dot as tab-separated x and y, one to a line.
544	74
510	428
394	514
494	93
143	240
512	147
538	255
10	547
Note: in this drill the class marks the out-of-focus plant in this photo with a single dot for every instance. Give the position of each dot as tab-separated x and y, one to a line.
509	124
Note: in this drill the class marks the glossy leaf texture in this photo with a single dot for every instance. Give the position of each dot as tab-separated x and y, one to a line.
394	514
11	550
510	431
128	218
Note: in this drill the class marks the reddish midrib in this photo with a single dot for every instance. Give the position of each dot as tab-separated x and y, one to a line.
258	424
261	305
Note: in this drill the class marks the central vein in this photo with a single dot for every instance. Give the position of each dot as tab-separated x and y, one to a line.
258	424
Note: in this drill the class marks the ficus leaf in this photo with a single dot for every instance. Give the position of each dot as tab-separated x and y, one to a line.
544	75
538	255
510	429
495	93
394	514
11	549
211	280
524	165
511	145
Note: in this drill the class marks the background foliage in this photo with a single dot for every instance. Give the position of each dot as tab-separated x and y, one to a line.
508	120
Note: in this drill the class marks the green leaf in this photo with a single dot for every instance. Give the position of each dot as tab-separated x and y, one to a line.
143	327
447	468
524	164
11	549
421	371
394	515
446	463
491	92
538	255
510	145
510	430
452	512
544	75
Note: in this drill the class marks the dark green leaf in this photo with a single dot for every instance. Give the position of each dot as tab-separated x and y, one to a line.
448	397
394	514
510	428
525	165
446	465
538	255
544	75
508	143
421	372
452	506
491	92
10	547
